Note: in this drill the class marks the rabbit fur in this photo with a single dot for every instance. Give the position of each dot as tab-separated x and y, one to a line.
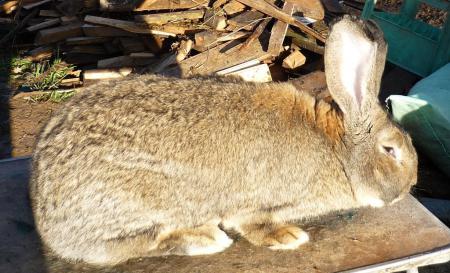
151	166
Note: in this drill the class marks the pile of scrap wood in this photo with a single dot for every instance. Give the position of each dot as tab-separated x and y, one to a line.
257	40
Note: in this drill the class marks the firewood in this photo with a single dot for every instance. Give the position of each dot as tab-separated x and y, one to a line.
125	25
113	5
44	24
170	59
304	42
5	39
65	20
37	4
103	31
218	3
86	40
51	35
40	53
279	31
275	12
183	50
9	6
164	18
101	74
130	45
294	60
115	62
247	20
208	39
89	49
233	7
214	20
309	8
223	56
255	35
71	82
123	61
49	13
142	55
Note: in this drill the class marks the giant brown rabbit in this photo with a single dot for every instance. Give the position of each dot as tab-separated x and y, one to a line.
151	166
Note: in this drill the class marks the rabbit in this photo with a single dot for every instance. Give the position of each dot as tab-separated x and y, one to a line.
153	166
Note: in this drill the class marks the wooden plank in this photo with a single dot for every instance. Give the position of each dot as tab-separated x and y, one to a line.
233	7
44	24
170	4
247	20
164	18
104	31
125	25
130	45
86	40
275	12
310	8
49	13
256	33
88	49
390	239
208	39
304	42
130	5
217	58
102	74
213	19
40	53
51	35
257	73
279	30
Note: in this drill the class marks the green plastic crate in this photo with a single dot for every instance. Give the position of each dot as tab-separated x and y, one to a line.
412	44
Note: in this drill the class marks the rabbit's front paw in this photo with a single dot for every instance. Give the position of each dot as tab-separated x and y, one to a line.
286	237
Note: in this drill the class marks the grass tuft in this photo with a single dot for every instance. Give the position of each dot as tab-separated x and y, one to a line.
47	75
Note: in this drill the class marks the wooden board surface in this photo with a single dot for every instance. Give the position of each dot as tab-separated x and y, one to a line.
339	242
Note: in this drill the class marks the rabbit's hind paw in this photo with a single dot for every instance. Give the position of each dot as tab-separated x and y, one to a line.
286	237
200	241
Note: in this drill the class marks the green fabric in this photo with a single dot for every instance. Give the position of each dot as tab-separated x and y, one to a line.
425	114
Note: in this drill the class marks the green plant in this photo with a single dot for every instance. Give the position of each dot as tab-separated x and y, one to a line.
47	75
54	96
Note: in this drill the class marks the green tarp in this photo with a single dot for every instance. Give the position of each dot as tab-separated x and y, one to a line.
425	114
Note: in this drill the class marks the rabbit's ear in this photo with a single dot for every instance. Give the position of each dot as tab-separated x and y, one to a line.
355	54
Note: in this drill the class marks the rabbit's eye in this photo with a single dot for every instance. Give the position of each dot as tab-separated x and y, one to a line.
390	151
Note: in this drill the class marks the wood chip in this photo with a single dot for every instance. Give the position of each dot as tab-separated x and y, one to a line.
294	60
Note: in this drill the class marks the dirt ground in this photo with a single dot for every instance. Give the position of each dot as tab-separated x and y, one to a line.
27	118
